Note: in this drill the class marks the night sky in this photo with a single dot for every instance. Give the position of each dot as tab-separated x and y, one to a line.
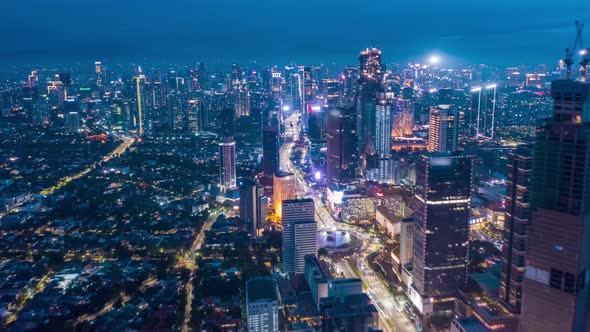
321	31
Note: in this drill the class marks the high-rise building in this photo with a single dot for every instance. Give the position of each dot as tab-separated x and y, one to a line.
299	234
383	171
242	98
482	114
99	74
520	165
316	123
557	266
369	84
441	229
283	188
442	129
270	151
262	306
72	122
406	241
341	139
403	118
227	163
349	313
141	118
252	206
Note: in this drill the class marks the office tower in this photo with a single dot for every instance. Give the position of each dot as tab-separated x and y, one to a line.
306	91
227	163
65	79
283	188
195	113
252	206
316	123
262	306
441	229
331	92
99	74
141	116
383	171
406	241
556	287
316	279
72	122
520	165
299	234
270	150
349	85
349	313
276	87
442	129
172	81
341	140
482	112
175	112
242	99
369	83
403	118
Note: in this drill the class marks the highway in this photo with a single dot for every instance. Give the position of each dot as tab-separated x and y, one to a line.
195	247
390	318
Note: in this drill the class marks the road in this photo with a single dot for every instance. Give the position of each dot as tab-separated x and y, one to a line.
390	318
195	247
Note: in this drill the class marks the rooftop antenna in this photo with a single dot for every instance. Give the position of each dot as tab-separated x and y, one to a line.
569	53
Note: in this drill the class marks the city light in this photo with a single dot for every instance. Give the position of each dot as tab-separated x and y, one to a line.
434	59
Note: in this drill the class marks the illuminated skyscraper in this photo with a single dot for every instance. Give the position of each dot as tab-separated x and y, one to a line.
403	118
441	229
369	83
299	234
72	122
341	145
316	123
482	115
99	74
227	163
383	170
556	288
262	306
252	206
242	98
283	186
442	129
520	165
141	118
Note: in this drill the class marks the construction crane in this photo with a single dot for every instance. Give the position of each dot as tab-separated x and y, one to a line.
569	54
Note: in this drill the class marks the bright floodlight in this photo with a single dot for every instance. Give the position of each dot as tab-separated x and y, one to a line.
583	52
434	59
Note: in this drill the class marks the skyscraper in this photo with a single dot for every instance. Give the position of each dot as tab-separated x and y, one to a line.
270	150
556	288
140	104
299	234
242	98
283	188
98	71
441	229
341	139
262	306
252	206
72	122
403	118
383	170
442	129
482	115
369	83
520	164
227	163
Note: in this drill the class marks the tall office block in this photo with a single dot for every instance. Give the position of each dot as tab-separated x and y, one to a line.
72	122
283	188
341	139
369	83
557	272
227	163
299	234
403	118
520	166
253	206
382	172
270	150
441	229
141	119
442	129
406	241
482	113
262	306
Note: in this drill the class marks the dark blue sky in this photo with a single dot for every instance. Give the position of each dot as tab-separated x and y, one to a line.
225	31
